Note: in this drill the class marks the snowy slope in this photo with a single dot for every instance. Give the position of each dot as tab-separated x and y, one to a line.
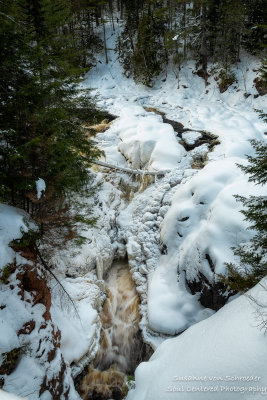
9	396
27	325
181	230
29	337
223	357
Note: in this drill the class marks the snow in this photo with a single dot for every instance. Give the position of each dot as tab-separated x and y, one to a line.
200	221
166	226
171	309
223	357
146	142
77	331
101	241
190	137
9	396
40	187
191	213
12	224
26	379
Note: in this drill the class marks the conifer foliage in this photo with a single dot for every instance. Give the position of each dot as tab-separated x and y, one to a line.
202	30
253	259
149	56
42	115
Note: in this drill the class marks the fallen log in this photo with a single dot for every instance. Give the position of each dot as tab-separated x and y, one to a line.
129	170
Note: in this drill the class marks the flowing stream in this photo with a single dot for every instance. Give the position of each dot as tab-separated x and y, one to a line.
121	346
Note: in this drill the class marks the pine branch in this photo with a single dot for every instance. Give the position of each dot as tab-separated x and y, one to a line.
48	268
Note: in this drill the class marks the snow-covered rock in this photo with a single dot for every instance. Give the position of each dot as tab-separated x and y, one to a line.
191	137
148	143
223	357
34	354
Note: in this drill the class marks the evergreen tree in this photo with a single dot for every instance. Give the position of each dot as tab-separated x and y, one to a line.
150	54
42	111
125	44
253	260
85	16
254	37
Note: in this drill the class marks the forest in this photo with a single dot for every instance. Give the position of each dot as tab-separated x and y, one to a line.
47	46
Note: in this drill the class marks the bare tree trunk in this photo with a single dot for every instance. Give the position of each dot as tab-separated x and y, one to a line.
185	30
204	50
105	43
121	9
111	13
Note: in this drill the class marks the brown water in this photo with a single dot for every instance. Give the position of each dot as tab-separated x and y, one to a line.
120	344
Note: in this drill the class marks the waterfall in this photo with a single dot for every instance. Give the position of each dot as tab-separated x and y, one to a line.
120	345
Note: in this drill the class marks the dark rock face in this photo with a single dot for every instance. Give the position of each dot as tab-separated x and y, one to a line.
212	295
177	126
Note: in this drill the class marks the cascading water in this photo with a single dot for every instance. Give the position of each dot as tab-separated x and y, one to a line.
120	344
120	319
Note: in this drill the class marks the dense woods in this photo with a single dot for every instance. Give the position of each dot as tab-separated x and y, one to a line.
156	33
42	110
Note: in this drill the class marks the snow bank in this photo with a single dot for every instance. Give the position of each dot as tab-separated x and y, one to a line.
204	218
199	230
148	143
171	308
223	357
78	332
23	326
12	224
191	137
9	396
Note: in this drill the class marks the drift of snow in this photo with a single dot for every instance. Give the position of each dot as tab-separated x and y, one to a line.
9	396
203	223
223	357
40	187
77	332
146	142
12	224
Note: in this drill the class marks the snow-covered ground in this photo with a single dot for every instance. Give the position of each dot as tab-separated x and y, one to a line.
223	357
29	338
176	231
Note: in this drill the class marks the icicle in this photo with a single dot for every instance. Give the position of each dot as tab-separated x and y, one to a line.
99	268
